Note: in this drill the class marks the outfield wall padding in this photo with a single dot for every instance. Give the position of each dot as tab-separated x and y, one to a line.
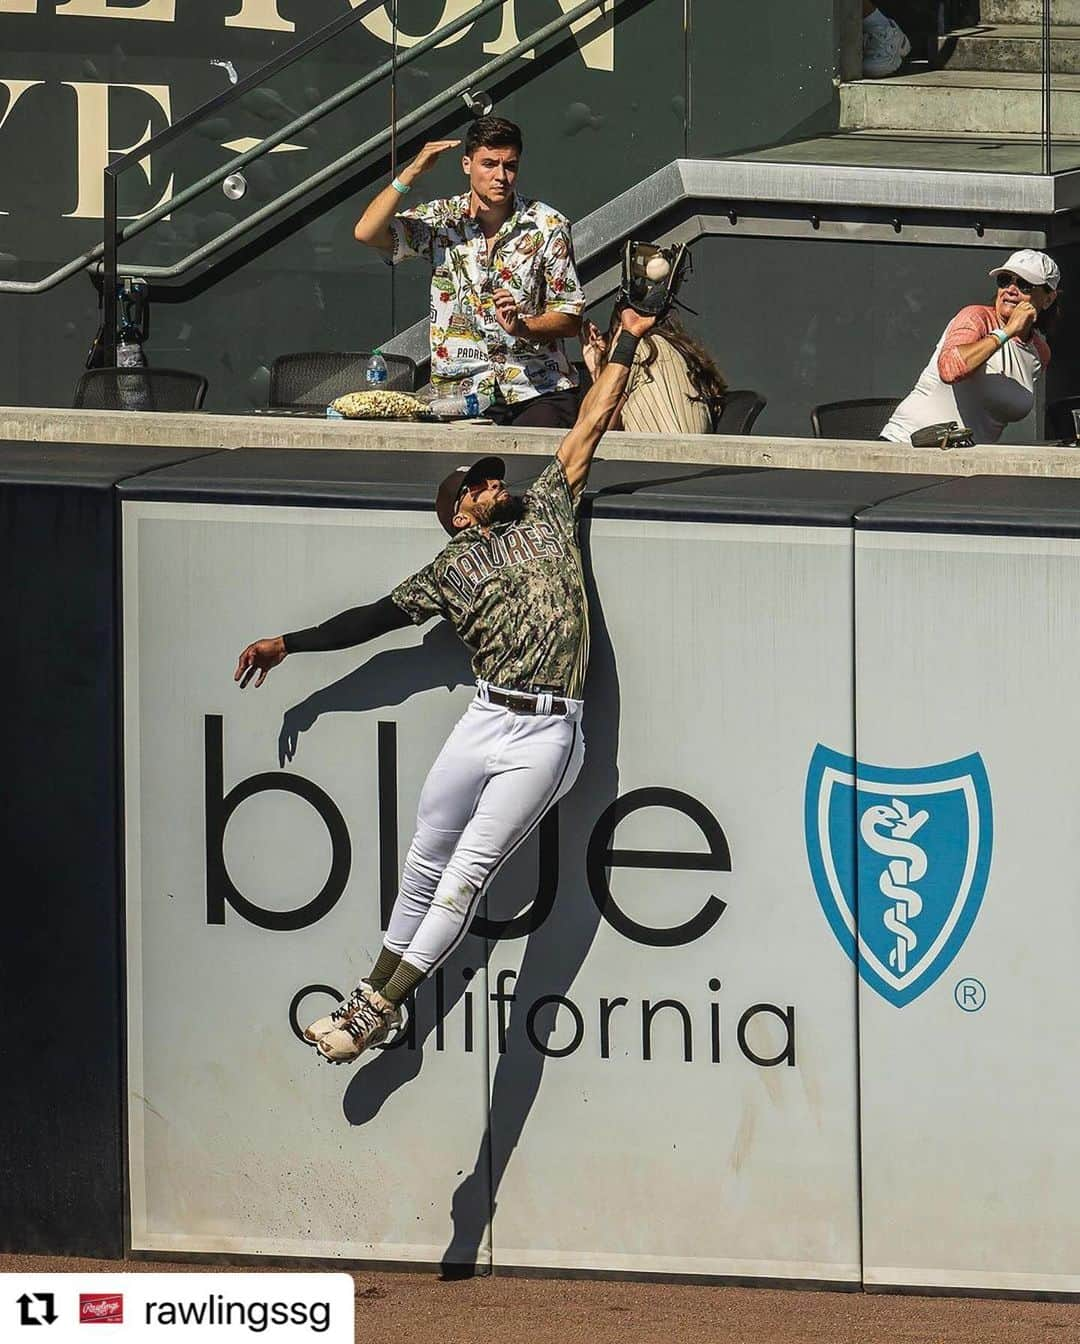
641	1022
966	598
61	1152
782	991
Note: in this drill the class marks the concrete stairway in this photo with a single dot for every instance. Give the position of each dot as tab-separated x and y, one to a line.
961	102
989	82
1010	47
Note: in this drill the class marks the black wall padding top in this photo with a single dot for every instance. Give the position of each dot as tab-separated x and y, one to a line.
775	495
616	489
92	465
307	476
991	505
61	968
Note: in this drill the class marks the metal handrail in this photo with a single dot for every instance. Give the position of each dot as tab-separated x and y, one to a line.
113	236
1047	88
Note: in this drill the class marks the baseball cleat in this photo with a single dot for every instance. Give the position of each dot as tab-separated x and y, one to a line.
322	1025
358	1030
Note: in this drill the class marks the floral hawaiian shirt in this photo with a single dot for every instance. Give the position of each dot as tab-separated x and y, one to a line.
531	255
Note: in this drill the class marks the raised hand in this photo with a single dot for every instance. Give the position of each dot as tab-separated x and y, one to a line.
1022	319
427	158
635	324
259	658
593	346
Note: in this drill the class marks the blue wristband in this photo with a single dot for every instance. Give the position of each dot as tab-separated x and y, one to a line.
400	187
1001	336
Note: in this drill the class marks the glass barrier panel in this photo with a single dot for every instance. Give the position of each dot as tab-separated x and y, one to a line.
279	107
1062	37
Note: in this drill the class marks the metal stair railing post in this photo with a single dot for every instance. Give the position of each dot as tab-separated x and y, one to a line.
1047	86
109	276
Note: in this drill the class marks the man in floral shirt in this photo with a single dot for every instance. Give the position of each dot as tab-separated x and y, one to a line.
504	292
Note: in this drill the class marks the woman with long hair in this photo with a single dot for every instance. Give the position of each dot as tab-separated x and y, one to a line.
675	386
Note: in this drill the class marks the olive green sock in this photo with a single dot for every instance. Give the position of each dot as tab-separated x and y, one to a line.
385	965
402	983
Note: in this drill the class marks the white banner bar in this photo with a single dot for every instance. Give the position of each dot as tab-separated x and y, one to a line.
229	1308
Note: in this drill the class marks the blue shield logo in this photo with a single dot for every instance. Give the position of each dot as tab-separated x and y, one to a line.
900	860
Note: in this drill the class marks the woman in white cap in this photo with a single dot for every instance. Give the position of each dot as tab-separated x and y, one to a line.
983	371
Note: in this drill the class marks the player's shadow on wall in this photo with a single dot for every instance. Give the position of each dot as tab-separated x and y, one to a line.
554	952
389	678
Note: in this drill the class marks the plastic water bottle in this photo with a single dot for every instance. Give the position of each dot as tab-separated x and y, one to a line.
134	394
129	352
465	405
376	375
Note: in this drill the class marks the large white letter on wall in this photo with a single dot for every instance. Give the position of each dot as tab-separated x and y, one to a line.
16	88
599	53
261	14
379	24
161	11
18	6
95	150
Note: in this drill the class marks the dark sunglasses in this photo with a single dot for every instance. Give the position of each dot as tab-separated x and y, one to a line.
1006	278
465	489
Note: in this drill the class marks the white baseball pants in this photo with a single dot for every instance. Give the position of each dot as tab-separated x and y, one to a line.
493	781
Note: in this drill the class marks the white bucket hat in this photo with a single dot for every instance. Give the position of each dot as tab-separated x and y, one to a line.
1033	266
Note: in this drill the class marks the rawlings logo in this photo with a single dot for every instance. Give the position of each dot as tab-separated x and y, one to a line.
95	1308
900	860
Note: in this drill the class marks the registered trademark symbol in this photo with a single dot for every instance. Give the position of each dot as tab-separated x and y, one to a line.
970	994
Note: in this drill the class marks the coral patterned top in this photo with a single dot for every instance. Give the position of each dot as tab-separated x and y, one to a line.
999	393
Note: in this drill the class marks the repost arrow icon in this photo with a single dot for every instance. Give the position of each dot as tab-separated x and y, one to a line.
26	1301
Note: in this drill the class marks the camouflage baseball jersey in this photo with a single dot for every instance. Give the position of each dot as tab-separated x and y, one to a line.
514	594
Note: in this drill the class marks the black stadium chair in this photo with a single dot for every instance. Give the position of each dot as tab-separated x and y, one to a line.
139	390
861	419
313	378
742	406
1059	419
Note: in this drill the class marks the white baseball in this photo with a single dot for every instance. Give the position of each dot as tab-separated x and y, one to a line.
657	268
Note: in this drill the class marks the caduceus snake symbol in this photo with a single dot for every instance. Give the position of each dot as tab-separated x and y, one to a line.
907	864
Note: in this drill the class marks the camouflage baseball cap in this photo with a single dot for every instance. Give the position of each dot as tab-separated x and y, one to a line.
446	500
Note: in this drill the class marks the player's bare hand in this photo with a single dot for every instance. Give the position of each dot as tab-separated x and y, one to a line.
258	659
593	347
635	324
508	314
427	158
1022	319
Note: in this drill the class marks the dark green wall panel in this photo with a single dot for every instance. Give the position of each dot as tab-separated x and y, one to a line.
761	74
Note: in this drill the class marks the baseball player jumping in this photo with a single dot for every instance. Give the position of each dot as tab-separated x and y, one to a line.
510	582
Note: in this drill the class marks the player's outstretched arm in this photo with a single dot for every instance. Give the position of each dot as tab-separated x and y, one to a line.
258	659
602	401
344	631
